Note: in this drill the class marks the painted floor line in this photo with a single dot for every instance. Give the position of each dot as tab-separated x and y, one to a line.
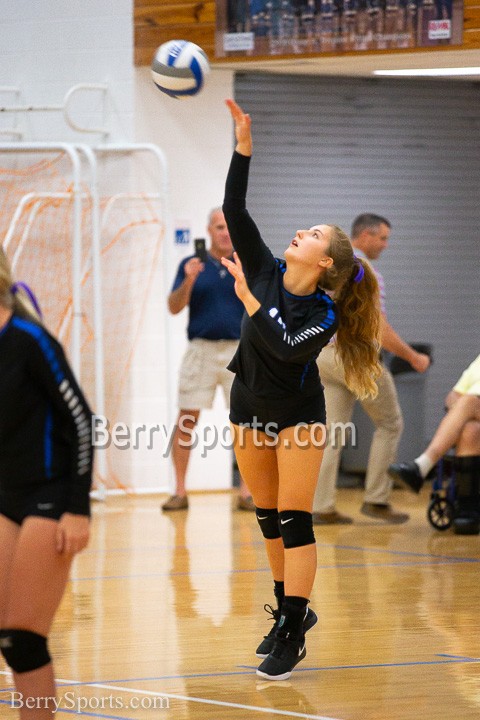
204	701
173	696
226	571
413	663
249	669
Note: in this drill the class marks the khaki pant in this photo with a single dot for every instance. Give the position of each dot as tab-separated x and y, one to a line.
386	415
204	366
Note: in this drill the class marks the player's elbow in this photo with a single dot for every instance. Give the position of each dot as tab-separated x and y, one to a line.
285	353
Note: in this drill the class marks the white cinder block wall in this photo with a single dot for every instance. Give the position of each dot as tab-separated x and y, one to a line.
196	135
48	47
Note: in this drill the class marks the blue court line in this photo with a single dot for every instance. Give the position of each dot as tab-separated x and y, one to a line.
412	663
192	676
249	669
83	713
355	548
411	553
226	571
449	660
169	546
458	657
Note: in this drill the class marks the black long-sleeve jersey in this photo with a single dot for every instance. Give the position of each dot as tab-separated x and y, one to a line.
45	421
281	341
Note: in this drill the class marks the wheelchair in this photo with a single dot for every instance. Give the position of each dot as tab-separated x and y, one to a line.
440	511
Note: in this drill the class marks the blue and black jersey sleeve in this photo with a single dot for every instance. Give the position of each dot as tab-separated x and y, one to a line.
247	241
48	367
306	340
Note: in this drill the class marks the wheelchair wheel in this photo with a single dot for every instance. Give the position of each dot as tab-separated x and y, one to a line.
440	513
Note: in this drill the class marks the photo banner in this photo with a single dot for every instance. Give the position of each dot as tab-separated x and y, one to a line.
249	28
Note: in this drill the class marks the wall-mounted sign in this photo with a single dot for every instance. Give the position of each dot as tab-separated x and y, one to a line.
291	27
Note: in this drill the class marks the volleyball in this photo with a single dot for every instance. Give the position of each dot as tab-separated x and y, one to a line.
179	68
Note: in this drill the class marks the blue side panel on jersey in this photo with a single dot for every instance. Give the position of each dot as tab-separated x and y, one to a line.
304	373
48	443
330	319
43	341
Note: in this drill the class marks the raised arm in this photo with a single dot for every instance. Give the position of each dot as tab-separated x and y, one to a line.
244	233
243	128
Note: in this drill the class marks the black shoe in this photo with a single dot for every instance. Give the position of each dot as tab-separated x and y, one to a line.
466	525
466	517
286	653
408	474
266	646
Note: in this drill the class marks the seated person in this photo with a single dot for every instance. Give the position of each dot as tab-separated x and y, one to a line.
460	428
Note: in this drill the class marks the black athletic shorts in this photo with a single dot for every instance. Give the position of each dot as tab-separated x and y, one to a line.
279	413
48	500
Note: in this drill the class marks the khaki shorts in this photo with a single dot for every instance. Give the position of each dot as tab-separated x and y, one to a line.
204	366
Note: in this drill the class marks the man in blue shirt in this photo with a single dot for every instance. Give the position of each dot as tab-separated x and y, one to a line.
213	330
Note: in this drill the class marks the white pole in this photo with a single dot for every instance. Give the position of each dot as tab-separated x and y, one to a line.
164	189
18	212
31	219
99	363
77	274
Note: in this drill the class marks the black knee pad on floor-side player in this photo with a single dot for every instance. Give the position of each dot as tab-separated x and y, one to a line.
23	650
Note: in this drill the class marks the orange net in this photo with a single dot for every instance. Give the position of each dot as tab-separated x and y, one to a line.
39	240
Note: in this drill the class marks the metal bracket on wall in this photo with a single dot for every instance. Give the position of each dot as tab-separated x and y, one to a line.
65	108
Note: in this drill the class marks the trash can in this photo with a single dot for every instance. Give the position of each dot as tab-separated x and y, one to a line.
411	389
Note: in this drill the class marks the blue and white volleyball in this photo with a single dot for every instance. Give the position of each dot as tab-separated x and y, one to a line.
179	68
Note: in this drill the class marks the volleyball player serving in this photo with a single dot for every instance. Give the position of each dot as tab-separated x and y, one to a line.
277	390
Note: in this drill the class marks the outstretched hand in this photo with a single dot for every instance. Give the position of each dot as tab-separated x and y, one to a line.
241	288
243	125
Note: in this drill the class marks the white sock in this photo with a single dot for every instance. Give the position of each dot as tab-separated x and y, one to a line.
424	464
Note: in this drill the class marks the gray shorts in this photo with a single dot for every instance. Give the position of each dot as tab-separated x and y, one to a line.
204	366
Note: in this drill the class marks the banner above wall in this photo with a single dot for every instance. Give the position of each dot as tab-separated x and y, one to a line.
293	27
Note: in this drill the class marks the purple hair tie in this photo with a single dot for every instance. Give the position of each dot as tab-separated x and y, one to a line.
360	271
23	286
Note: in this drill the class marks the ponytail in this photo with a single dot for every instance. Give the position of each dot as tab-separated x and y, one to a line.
16	296
358	334
356	294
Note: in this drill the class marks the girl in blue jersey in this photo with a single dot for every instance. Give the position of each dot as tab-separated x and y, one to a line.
277	405
45	478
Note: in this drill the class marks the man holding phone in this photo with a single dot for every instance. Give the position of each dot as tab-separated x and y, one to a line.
215	313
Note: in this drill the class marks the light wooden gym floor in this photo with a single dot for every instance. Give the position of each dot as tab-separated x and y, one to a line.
164	612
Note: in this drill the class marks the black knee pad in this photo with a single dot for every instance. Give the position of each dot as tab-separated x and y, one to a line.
268	521
296	528
24	650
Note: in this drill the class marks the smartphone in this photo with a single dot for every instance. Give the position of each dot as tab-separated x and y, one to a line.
200	249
